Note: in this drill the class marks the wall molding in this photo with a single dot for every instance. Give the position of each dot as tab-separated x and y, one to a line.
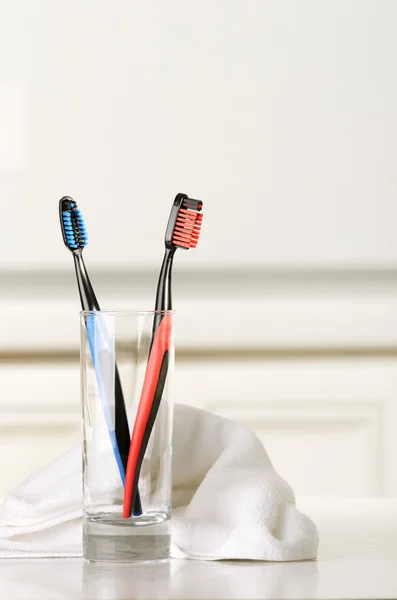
228	313
250	280
21	357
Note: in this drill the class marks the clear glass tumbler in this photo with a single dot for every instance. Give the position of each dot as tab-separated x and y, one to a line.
115	349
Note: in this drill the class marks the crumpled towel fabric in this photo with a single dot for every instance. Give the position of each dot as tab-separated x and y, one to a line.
228	502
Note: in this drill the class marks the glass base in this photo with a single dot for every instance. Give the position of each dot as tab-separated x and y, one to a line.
108	538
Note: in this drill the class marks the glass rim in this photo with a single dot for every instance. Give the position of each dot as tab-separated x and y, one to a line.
127	312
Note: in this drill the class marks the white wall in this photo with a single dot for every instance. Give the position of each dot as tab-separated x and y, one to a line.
280	115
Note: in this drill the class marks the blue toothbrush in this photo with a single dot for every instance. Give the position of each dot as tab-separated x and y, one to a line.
75	238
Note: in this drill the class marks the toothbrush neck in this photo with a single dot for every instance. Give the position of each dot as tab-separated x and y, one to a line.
87	296
163	296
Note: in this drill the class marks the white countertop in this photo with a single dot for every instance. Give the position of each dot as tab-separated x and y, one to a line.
357	559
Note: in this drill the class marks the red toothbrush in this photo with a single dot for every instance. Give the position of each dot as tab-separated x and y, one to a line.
182	231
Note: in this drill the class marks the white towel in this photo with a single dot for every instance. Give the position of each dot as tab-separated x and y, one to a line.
228	502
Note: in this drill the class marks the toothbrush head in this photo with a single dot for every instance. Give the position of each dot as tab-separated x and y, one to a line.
184	224
72	224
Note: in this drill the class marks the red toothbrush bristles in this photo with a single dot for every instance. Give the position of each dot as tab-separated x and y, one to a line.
187	228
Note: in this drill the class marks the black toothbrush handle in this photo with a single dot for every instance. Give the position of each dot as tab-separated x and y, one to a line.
122	432
163	302
150	424
89	302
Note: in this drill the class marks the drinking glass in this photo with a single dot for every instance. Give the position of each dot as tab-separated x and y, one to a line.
115	347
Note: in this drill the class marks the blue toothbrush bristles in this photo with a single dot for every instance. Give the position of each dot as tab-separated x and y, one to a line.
74	228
